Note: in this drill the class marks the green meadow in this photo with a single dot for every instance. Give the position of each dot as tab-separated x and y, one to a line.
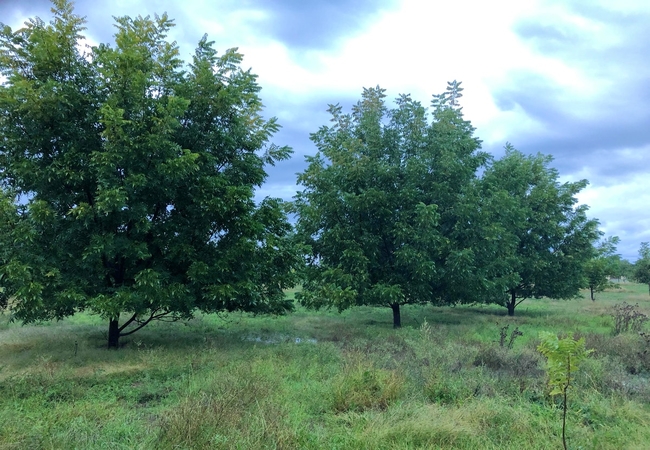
324	380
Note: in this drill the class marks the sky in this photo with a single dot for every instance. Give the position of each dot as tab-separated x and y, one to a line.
566	78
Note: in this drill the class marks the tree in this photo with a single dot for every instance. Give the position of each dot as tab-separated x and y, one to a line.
642	265
547	237
603	265
624	269
138	174
378	211
563	357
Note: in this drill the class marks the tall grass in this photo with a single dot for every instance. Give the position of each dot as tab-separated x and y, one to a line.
318	380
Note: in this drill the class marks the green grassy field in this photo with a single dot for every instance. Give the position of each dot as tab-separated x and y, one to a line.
323	380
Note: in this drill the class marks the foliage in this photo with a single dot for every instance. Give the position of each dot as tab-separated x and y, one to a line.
9	220
644	250
544	239
624	270
642	265
138	174
383	202
628	318
604	265
596	276
563	357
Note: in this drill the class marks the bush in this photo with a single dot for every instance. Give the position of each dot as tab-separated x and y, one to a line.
628	318
630	350
607	376
524	363
644	353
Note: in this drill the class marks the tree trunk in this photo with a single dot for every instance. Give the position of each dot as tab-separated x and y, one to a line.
512	304
397	320
113	333
592	293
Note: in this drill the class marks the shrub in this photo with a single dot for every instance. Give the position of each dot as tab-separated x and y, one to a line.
644	353
563	356
524	363
628	318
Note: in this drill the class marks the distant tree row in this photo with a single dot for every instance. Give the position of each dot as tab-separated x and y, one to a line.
394	212
642	267
128	181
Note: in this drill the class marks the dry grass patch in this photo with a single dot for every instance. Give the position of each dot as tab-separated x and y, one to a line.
362	386
238	408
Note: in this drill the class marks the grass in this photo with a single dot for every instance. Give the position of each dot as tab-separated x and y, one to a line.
314	380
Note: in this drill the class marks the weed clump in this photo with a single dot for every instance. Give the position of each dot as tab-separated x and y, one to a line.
445	390
362	386
236	410
503	335
643	355
628	318
521	364
524	363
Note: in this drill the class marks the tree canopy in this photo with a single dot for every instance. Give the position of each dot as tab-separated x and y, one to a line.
128	178
546	236
136	176
604	264
642	265
380	207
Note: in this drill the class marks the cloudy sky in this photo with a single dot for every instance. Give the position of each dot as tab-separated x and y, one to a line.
566	78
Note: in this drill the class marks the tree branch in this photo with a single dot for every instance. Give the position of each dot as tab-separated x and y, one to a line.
517	304
128	322
153	316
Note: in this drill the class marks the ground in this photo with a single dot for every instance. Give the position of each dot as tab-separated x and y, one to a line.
325	380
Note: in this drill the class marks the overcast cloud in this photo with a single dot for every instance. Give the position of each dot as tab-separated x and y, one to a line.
566	78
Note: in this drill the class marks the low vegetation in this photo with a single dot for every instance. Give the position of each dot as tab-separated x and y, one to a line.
448	379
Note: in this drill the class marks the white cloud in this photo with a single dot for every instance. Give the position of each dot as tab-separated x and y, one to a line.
419	46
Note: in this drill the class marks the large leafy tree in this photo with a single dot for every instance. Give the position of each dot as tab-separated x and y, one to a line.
137	176
379	212
642	265
547	237
602	266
